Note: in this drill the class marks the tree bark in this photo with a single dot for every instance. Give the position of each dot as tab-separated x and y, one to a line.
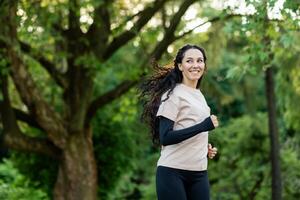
273	134
77	176
271	106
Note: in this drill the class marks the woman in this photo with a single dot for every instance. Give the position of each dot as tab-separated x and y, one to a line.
180	119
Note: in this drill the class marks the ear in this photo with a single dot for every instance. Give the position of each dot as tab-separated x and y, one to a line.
179	67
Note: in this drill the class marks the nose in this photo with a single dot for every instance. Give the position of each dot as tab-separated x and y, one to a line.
201	65
197	66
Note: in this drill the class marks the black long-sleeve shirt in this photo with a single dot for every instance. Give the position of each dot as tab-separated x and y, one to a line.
168	136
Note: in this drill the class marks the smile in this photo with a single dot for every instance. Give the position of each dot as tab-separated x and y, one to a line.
195	71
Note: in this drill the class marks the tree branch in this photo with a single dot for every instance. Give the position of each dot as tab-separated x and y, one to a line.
31	97
123	38
21	142
215	19
50	67
169	35
75	39
38	107
100	30
107	97
13	137
156	53
74	15
125	20
24	117
164	18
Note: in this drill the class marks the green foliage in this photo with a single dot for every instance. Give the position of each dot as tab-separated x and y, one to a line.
288	84
293	5
290	168
118	144
241	168
38	169
289	106
233	87
113	71
15	186
4	70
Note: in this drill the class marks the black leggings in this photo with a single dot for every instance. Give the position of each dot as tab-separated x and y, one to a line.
178	184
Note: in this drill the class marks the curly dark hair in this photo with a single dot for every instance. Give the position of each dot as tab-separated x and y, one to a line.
164	79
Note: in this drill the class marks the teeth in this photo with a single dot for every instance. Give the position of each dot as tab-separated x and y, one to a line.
195	70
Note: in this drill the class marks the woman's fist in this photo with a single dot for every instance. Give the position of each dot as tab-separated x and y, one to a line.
212	151
214	120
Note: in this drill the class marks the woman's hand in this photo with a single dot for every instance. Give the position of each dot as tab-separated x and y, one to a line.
212	151
214	120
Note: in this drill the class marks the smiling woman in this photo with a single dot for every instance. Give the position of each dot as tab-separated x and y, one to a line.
180	119
192	67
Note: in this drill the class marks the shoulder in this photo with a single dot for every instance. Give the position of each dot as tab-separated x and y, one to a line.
174	95
171	97
179	93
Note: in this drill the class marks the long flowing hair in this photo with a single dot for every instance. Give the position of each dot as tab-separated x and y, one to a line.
164	79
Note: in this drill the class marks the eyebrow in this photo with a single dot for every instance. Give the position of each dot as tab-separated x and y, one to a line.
192	58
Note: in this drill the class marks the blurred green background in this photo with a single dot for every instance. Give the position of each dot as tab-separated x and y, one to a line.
84	56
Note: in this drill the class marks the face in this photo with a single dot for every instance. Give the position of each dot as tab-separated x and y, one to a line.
192	66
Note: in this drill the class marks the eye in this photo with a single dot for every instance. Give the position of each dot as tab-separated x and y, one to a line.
200	61
189	61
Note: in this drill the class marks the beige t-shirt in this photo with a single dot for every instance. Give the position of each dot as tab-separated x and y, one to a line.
186	106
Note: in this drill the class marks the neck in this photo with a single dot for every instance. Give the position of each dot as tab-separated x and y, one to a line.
192	84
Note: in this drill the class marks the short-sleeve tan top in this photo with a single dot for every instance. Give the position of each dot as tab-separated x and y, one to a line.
185	106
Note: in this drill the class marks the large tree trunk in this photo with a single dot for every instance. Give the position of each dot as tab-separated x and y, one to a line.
273	133
77	177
